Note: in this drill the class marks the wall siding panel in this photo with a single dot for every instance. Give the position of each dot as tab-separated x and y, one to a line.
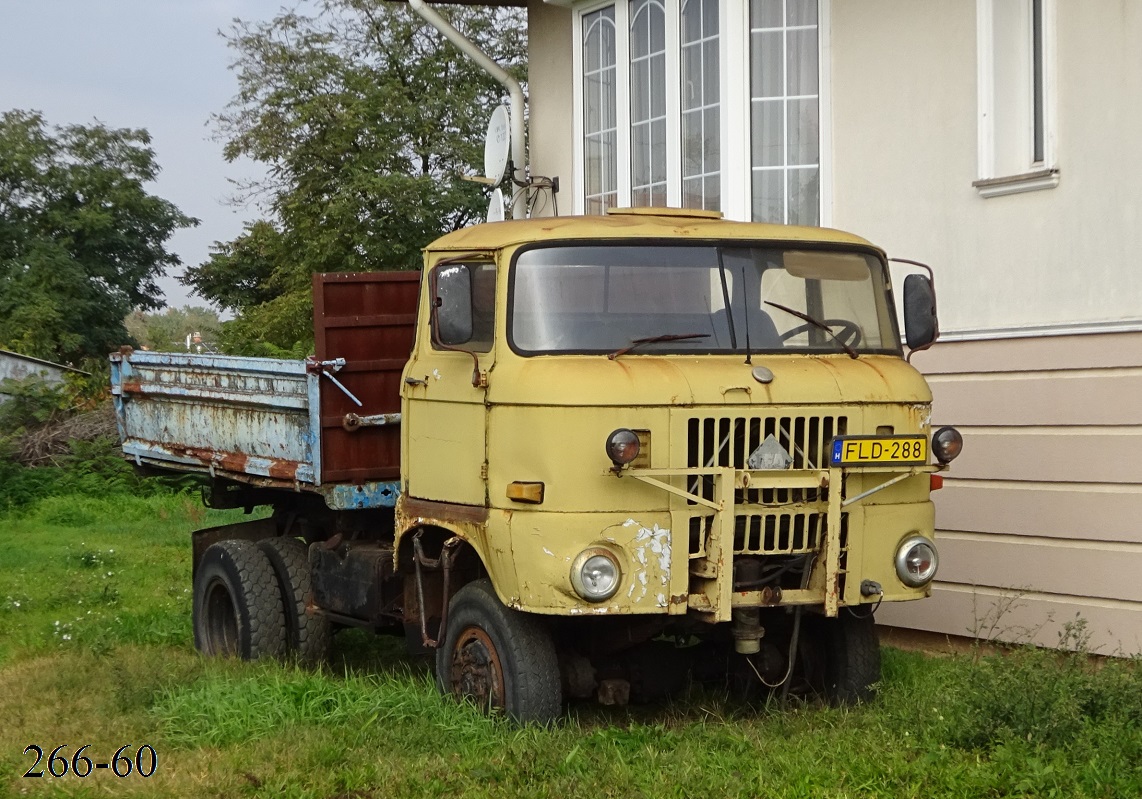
1040	398
1051	455
1073	510
1045	353
1044	566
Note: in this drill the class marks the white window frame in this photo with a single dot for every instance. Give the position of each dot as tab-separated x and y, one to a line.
649	122
622	101
994	179
824	115
734	59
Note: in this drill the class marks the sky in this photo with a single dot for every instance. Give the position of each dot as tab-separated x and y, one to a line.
154	64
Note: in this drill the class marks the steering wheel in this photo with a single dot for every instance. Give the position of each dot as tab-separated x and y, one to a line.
849	331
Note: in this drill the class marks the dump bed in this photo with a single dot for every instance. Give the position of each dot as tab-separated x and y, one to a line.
328	424
254	417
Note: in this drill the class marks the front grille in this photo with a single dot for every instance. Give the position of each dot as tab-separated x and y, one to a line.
777	534
728	441
769	521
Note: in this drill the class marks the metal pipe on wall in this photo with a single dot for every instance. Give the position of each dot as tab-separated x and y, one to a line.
515	91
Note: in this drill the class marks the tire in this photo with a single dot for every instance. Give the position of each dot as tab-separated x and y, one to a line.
306	635
849	658
498	658
237	603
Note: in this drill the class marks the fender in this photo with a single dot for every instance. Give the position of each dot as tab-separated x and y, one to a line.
469	523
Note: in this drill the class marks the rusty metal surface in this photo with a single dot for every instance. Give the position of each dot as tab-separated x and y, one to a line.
356	582
412	509
369	320
218	414
442	564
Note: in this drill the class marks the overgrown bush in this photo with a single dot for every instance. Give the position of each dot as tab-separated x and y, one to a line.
1042	697
58	439
90	468
30	402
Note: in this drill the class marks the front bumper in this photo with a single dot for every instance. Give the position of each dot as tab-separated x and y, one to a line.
724	524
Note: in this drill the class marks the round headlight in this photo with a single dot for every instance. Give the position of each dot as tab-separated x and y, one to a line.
947	443
916	561
622	446
595	575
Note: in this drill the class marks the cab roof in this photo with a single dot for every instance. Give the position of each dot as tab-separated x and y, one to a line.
633	223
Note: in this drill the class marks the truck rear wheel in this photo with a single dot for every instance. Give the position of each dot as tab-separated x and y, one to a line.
237	603
498	658
307	636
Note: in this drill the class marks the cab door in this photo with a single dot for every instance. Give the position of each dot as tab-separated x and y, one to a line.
445	384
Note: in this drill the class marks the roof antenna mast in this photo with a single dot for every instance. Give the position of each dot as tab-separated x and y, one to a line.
515	91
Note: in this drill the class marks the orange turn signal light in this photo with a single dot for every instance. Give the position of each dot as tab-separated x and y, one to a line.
937	481
526	492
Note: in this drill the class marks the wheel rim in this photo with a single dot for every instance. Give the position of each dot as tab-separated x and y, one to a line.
221	621
477	673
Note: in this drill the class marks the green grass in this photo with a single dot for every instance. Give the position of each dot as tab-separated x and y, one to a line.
119	669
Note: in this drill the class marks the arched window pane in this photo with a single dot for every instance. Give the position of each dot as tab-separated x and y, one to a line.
701	105
648	102
600	120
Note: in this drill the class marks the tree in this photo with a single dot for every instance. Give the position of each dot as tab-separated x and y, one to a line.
366	118
81	240
168	331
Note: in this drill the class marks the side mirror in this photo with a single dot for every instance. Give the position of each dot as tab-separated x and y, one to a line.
921	328
452	305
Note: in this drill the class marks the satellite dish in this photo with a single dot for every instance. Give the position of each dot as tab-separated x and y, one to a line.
496	207
497	144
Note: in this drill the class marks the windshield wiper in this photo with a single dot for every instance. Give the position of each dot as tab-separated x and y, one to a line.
638	342
816	323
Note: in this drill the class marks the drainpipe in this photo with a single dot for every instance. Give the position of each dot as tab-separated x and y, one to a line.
519	211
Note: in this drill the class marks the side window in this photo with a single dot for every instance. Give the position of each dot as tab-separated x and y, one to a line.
465	299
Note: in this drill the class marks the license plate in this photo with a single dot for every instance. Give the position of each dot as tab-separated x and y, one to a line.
879	450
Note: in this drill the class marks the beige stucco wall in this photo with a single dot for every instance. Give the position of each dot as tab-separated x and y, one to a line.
905	155
550	97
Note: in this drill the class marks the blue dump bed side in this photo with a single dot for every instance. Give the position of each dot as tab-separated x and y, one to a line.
252	420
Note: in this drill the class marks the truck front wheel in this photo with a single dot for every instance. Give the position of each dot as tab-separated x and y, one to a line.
498	658
237	603
847	655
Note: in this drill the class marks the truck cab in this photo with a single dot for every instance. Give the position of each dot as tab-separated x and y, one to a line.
698	429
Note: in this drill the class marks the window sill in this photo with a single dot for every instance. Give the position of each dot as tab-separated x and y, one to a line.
1016	184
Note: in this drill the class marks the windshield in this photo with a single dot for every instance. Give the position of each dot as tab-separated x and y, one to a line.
699	299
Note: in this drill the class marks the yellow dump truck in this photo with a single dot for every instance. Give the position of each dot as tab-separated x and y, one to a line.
577	457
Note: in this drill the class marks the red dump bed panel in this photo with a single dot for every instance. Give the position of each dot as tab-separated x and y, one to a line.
369	319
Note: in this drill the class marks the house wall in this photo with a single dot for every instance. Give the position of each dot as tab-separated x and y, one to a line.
1038	518
549	97
905	144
